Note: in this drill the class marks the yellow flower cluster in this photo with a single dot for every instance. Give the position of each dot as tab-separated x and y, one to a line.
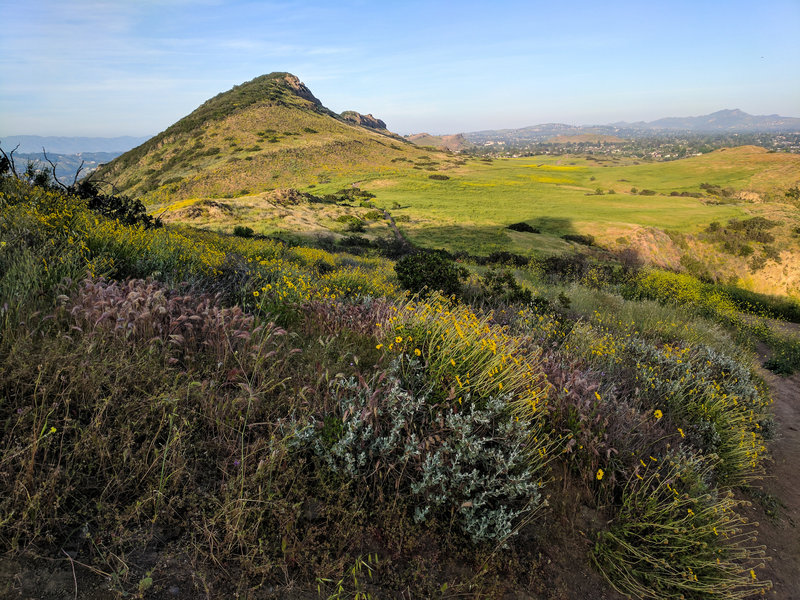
469	354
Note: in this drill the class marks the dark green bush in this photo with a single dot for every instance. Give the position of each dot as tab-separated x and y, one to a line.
504	257
351	223
432	270
242	231
500	285
523	227
373	215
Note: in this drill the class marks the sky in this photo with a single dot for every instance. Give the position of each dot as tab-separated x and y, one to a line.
134	67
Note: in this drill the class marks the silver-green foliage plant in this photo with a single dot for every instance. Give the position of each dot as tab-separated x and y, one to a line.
466	459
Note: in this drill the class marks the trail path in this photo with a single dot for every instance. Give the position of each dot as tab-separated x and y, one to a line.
780	532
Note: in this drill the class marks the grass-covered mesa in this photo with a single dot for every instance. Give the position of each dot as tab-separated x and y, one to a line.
237	414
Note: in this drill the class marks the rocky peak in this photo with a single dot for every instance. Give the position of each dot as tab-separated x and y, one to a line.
357	118
300	88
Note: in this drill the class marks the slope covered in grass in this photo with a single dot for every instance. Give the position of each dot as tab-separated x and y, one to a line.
245	415
263	134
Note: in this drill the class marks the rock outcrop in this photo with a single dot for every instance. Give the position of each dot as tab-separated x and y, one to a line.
364	120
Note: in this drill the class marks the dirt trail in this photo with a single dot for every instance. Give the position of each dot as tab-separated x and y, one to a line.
778	508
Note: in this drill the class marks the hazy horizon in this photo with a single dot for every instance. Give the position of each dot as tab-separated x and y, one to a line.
106	69
149	135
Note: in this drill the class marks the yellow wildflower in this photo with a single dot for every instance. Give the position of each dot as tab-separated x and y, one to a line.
600	474
658	414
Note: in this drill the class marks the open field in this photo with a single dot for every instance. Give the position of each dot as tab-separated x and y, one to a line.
466	205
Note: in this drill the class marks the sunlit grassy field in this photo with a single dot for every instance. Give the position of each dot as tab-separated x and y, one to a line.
469	203
558	195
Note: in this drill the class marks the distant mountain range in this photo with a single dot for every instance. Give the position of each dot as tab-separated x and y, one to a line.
728	121
720	122
67	165
33	144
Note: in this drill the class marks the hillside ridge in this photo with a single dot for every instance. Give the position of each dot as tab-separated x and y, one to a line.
265	133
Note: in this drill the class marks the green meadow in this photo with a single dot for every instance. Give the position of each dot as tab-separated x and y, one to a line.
559	195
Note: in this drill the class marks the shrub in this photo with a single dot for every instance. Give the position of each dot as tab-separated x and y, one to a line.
471	464
438	177
121	208
757	263
430	270
523	227
373	215
503	257
501	286
677	537
242	231
565	267
772	253
351	223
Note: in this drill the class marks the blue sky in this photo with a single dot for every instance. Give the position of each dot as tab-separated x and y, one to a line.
133	67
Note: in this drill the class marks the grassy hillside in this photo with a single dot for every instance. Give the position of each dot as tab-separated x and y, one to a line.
444	142
267	133
240	416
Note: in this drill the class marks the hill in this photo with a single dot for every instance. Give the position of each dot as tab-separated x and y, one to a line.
268	133
721	121
448	142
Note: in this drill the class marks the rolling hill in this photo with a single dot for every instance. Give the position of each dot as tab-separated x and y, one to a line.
268	133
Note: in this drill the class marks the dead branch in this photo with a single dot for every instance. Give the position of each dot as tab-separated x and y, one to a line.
53	167
114	189
78	172
10	158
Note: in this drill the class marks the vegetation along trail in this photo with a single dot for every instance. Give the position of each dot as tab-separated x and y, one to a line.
779	510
